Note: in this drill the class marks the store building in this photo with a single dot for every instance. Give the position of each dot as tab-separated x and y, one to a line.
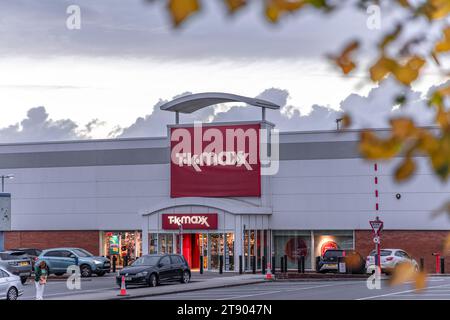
303	193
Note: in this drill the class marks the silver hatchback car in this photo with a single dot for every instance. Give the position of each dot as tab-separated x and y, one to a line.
10	285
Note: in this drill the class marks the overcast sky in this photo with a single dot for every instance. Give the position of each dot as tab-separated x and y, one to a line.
105	79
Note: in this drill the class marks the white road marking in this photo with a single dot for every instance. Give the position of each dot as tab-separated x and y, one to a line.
400	292
277	291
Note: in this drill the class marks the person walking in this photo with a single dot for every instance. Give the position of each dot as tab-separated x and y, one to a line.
40	279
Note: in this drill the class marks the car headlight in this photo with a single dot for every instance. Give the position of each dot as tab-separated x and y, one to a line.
98	262
141	274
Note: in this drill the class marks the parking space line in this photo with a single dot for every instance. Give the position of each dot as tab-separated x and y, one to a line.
399	292
277	291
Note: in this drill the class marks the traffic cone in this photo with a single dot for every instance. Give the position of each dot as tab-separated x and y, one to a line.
269	275
123	287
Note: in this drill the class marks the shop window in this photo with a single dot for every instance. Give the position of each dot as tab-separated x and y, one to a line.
126	246
293	245
334	239
165	243
152	243
229	252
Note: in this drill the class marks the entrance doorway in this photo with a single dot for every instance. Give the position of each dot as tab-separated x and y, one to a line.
191	249
212	246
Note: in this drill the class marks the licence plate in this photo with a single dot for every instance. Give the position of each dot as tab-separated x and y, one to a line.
332	265
128	278
23	264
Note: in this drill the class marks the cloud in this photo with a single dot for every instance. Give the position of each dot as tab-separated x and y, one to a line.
37	126
371	111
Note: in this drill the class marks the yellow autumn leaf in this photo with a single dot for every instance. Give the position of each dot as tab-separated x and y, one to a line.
405	170
403	128
440	163
382	68
344	60
446	246
403	272
181	9
426	142
420	281
405	74
410	71
406	272
372	147
276	8
390	37
443	118
346	121
444	44
436	9
234	5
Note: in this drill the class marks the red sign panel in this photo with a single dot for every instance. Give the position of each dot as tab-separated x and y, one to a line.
191	221
215	161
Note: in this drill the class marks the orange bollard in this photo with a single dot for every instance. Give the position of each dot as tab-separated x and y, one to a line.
123	287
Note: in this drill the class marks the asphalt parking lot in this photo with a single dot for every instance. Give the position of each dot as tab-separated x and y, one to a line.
437	288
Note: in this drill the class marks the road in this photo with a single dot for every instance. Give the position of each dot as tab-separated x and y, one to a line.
437	288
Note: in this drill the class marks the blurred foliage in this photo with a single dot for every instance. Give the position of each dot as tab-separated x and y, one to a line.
396	58
406	272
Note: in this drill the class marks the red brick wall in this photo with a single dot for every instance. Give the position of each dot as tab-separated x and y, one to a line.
419	244
88	240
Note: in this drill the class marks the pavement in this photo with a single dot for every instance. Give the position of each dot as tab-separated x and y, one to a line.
230	286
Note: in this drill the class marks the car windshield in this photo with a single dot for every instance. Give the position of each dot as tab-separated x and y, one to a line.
384	253
146	261
6	256
17	253
333	253
82	253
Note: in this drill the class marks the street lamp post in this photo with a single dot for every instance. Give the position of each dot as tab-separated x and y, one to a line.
8	176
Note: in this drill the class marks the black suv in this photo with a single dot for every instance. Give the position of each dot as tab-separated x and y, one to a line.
355	263
152	269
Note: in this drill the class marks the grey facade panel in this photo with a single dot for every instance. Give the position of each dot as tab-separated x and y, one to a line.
319	150
143	156
84	158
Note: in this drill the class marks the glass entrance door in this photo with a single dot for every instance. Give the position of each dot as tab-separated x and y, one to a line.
203	241
214	240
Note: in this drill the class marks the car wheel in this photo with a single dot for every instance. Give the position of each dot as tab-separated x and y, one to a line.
59	274
153	280
186	277
101	273
86	271
12	294
23	280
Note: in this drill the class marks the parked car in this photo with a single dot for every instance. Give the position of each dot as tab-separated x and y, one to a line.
31	253
59	259
17	263
10	285
152	269
390	258
354	262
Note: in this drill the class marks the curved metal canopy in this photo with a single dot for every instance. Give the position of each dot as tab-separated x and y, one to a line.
194	102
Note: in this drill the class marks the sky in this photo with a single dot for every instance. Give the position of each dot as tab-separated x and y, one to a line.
109	78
